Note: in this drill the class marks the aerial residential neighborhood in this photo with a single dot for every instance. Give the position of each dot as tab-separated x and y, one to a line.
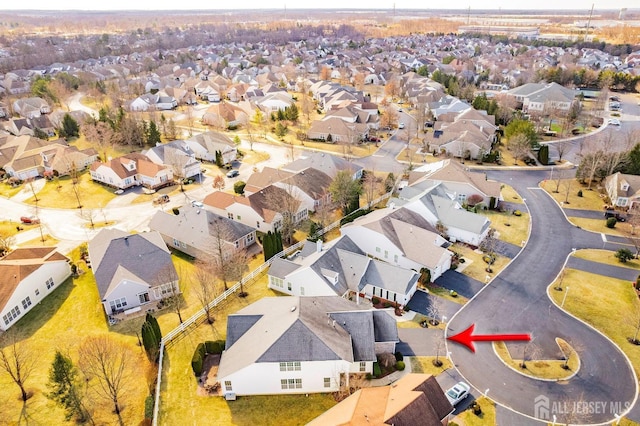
320	216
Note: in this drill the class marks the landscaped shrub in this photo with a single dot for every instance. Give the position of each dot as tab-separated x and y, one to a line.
375	300
369	376
201	350
517	213
148	407
197	361
175	211
399	356
376	370
624	255
400	365
611	222
580	193
214	347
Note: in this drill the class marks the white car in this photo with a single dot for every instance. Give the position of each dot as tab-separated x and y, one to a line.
195	203
457	393
614	121
401	126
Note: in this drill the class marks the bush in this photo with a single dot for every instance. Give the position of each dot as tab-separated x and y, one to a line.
517	213
453	293
399	356
611	222
197	361
214	347
148	407
238	187
376	370
369	376
400	365
624	255
375	300
175	211
580	193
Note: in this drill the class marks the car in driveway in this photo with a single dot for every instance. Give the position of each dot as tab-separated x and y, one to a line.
196	203
232	173
29	220
612	213
457	393
614	121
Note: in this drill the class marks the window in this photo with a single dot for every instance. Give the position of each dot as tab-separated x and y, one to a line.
230	215
26	303
290	366
462	197
183	245
288	286
278	282
283	384
11	315
327	382
239	217
250	238
118	304
237	244
377	249
176	243
386	254
143	298
49	283
291	383
301	291
395	258
363	366
227	385
258	224
37	292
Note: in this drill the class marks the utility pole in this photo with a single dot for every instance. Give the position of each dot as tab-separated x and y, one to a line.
586	34
468	15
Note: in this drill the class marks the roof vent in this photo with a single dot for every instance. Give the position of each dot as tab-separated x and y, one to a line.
293	308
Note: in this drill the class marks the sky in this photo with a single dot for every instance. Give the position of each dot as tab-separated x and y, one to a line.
583	5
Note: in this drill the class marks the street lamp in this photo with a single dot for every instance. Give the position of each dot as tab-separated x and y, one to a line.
566	291
486	391
444	319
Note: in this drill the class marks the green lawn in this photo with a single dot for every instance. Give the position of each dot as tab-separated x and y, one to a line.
59	193
606	256
60	321
476	266
424	364
9	191
512	229
486	418
542	369
8	228
510	195
597	225
606	303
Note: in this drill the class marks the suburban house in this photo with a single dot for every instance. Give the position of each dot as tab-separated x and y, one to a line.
310	186
623	190
224	115
415	399
258	210
354	114
334	129
131	170
401	237
132	270
273	102
31	107
205	146
27	276
200	233
299	345
27	156
326	163
341	269
153	102
543	97
177	155
460	182
437	205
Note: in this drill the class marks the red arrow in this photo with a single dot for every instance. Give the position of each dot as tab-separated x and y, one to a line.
466	338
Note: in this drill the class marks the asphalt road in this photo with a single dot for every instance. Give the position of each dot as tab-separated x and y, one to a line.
516	302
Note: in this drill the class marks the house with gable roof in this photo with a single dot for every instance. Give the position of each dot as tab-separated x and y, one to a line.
541	97
326	163
177	155
130	170
623	190
27	276
205	146
299	345
131	270
344	269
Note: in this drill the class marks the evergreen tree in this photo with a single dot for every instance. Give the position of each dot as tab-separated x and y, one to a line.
70	128
219	161
543	154
267	246
151	337
291	113
66	388
153	134
278	240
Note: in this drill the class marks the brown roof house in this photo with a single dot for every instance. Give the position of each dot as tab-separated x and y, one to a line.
131	170
27	276
415	399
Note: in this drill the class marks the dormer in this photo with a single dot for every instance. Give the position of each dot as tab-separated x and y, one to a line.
130	165
330	275
624	185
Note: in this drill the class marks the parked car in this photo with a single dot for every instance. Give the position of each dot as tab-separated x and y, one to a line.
373	139
232	173
400	125
612	213
457	393
614	121
161	199
196	203
29	220
399	109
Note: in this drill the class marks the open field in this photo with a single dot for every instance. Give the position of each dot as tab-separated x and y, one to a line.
59	193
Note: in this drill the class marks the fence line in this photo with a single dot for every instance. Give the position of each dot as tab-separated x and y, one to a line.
180	329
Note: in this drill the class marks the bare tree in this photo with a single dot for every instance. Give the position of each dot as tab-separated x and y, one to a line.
592	154
218	182
519	145
189	116
388	118
17	360
174	300
204	286
562	147
438	344
178	162
110	365
370	186
6	241
615	157
530	351
435	310
101	133
489	247
324	210
286	201
227	263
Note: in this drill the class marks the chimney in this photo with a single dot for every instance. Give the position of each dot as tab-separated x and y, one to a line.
318	246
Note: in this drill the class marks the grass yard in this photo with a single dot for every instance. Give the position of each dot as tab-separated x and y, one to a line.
510	195
9	228
445	294
60	322
486	418
416	320
590	200
48	240
255	157
476	266
597	225
9	191
511	228
58	193
424	364
605	303
606	256
541	369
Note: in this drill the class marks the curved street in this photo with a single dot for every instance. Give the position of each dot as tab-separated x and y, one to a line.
516	302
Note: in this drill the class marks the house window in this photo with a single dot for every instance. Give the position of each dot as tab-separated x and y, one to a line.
291	383
462	197
258	224
386	254
237	244
176	243
230	215
290	366
227	385
327	382
301	291
363	366
26	303
298	383
377	249
395	258
118	304
11	315
143	298
250	238
278	282
49	283
288	286
37	292
284	384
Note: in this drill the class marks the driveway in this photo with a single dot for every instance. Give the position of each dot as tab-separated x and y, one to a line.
422	301
460	283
